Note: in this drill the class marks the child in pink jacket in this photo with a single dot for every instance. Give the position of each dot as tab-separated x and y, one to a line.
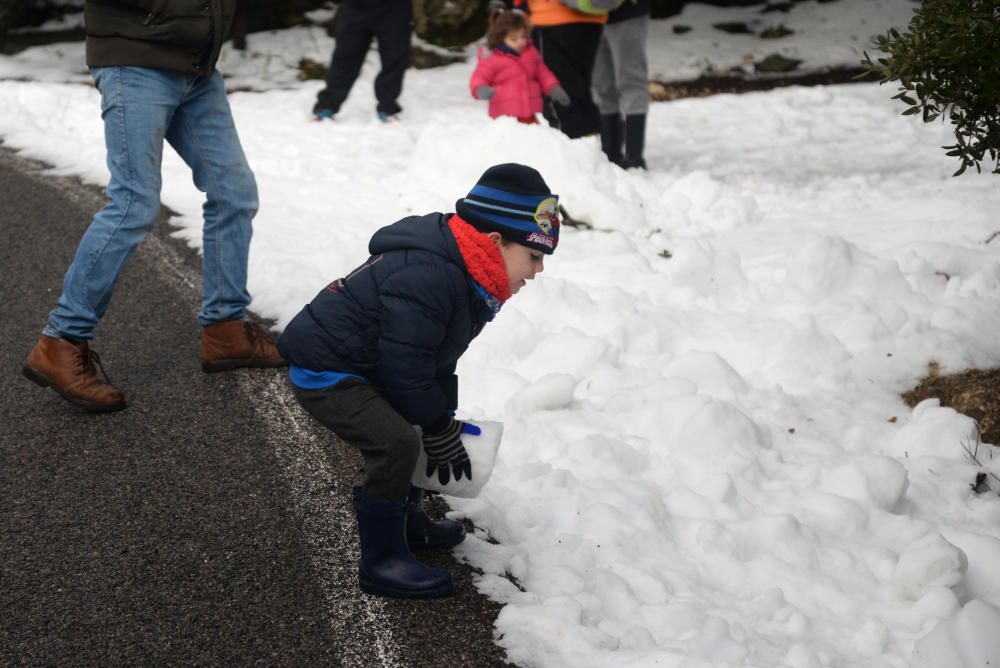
513	76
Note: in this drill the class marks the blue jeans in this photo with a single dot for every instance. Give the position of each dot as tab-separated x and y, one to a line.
141	107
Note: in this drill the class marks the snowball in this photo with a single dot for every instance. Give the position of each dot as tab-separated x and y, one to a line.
982	579
718	437
934	431
872	480
828	267
569	350
710	372
830	513
928	562
549	392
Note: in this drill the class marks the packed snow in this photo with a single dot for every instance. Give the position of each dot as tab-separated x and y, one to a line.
706	460
820	34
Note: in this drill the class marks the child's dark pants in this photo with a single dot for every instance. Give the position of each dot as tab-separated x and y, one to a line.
355	411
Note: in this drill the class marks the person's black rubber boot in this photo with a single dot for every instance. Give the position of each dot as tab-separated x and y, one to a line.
635	141
423	533
387	567
611	137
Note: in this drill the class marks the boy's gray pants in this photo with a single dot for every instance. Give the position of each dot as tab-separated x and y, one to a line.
620	84
356	412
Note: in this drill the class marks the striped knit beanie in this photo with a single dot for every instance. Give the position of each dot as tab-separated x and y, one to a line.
513	200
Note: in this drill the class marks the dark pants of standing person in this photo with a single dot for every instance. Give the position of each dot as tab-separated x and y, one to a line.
570	51
358	22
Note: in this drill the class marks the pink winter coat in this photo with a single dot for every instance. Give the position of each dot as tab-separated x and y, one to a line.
519	81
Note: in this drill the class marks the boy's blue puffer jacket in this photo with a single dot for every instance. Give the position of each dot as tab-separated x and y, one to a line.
401	320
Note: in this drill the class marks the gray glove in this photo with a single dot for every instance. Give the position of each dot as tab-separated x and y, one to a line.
485	92
559	94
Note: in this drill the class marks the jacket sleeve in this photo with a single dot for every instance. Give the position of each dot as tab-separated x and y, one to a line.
417	304
449	385
483	75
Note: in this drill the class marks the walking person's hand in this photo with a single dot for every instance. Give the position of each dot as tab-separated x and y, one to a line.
446	454
485	92
559	96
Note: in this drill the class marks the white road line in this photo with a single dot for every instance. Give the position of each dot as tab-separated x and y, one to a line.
323	504
320	502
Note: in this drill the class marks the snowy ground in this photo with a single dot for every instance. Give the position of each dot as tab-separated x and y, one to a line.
706	459
830	34
824	34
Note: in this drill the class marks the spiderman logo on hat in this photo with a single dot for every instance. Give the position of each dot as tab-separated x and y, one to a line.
547	214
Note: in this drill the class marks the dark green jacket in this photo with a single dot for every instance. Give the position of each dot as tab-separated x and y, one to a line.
179	35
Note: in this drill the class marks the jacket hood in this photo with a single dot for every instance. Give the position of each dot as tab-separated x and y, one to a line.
427	233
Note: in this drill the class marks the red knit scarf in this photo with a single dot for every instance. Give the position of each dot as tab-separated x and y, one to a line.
482	258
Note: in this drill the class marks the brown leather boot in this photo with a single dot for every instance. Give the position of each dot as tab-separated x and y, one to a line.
69	369
237	343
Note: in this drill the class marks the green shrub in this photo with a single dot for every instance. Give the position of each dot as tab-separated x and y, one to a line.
947	63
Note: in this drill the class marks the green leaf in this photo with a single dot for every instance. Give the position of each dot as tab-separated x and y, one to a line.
947	65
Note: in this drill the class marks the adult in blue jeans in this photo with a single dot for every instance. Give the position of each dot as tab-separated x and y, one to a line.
154	65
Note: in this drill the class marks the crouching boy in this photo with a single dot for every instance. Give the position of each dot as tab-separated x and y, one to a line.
375	354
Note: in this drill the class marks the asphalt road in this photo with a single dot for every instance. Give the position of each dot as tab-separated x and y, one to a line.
210	522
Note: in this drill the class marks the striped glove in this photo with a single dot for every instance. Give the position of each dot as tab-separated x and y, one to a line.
444	449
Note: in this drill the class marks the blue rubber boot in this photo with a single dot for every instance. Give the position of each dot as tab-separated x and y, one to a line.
387	568
423	533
